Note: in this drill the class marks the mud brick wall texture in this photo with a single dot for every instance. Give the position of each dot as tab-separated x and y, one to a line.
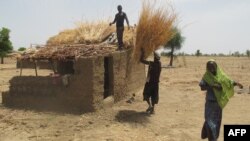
79	93
136	77
98	82
49	93
29	91
85	89
129	76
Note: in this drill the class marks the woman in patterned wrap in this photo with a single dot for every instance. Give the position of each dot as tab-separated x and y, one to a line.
219	89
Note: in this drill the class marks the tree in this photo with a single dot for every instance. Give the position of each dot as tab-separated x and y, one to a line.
236	54
174	44
198	53
22	49
248	53
5	43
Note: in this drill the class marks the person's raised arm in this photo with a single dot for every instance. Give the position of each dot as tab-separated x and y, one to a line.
142	60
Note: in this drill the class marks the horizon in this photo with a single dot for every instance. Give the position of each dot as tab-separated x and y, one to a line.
208	25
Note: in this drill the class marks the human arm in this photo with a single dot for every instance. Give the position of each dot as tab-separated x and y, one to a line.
238	84
142	60
204	86
217	86
126	18
113	21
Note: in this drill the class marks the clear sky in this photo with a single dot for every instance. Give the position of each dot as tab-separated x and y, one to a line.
213	26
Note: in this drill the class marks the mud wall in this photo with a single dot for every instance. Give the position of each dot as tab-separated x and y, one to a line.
98	82
129	76
50	93
35	92
84	90
136	77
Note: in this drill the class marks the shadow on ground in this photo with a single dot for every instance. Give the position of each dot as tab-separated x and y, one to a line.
56	110
132	116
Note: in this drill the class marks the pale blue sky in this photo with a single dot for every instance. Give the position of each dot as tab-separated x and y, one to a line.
213	26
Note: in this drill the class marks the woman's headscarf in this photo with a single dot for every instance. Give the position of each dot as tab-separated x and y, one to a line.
221	78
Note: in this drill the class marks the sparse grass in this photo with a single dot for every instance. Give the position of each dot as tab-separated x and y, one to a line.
184	61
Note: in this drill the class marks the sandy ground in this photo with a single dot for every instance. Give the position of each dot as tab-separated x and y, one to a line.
178	117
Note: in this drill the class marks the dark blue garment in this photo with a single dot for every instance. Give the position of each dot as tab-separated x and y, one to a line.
212	124
210	96
213	115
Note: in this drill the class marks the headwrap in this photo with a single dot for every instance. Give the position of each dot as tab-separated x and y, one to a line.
226	83
157	55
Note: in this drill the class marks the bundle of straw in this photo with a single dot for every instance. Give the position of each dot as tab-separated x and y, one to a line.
93	32
129	37
84	33
65	37
154	28
90	33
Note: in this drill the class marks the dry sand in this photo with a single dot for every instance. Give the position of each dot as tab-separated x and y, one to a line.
179	114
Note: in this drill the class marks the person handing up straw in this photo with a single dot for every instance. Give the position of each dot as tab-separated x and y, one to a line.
151	89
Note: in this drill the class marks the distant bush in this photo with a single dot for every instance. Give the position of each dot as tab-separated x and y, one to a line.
248	53
198	53
22	49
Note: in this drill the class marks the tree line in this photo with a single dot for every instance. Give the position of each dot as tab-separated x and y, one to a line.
171	46
177	41
198	53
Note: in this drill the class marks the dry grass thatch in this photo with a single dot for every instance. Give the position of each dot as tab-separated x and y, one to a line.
154	28
84	33
70	52
89	33
93	32
129	36
65	37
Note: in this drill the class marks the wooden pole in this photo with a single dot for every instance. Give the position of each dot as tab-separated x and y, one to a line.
21	67
35	67
52	65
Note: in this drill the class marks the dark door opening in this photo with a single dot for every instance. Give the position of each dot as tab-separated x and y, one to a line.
65	67
108	77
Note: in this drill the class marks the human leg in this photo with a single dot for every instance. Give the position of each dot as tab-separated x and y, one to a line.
213	116
119	32
146	96
154	96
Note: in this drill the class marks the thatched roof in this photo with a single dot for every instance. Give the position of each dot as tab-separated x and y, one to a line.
85	40
70	52
90	33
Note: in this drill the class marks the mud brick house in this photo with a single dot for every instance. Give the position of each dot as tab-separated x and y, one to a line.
84	77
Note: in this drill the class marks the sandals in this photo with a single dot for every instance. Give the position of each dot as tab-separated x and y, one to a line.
150	110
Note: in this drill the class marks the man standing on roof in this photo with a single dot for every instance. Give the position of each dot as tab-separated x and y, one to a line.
119	20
